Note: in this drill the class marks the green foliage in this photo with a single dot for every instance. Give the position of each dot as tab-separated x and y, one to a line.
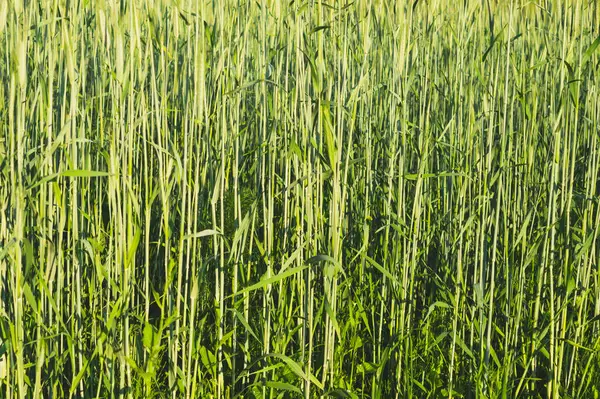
299	199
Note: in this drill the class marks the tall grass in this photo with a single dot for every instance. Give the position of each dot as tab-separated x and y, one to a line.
299	199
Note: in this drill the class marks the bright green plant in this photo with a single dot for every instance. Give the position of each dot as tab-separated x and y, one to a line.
299	199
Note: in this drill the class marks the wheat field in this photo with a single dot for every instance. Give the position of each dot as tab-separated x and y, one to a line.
299	198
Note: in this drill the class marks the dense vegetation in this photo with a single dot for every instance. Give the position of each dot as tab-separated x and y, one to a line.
309	198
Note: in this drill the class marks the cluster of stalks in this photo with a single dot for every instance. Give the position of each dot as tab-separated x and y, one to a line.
299	198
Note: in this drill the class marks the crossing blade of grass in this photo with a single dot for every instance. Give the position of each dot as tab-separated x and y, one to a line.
270	280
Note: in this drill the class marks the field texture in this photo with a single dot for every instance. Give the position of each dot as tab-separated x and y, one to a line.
299	198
